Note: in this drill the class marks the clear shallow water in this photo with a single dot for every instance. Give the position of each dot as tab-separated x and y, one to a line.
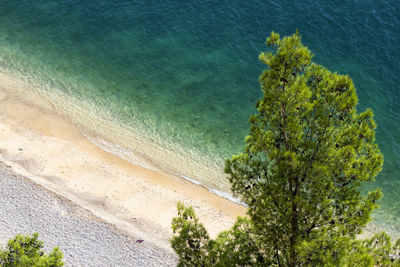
182	75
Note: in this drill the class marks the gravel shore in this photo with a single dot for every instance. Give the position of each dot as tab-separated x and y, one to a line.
83	238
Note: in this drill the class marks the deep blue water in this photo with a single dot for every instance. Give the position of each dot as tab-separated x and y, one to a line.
184	74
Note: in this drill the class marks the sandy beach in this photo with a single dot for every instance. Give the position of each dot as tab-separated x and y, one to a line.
47	149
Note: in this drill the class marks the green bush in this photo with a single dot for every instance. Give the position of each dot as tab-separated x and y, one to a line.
27	251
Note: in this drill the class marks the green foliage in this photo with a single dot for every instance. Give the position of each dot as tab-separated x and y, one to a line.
345	251
193	243
381	250
236	246
27	251
307	154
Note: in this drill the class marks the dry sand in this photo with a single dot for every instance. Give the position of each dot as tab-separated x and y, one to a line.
48	149
84	239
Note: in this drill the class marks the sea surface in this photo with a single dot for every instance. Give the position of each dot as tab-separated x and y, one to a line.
170	84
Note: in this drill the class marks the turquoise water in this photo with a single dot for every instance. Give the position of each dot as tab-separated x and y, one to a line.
175	81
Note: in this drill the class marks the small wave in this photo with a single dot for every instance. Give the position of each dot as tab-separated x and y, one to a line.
227	196
217	192
191	180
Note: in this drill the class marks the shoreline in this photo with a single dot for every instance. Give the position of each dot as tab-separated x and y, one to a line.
41	145
135	142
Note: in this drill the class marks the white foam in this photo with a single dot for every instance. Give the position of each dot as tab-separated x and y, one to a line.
227	196
191	180
217	192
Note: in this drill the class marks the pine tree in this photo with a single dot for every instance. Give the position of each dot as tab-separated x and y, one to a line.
307	154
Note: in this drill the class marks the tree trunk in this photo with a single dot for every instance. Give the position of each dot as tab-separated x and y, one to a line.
294	225
293	237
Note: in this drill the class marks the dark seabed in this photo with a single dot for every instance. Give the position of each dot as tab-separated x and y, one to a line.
174	82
